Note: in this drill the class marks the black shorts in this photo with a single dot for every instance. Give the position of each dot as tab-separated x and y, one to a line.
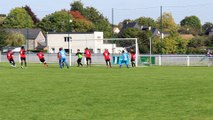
107	60
42	60
87	59
23	59
11	60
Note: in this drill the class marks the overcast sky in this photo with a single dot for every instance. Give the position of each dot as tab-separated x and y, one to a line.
123	9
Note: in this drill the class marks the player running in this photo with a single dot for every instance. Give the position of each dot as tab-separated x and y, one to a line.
42	59
23	57
10	58
62	56
106	55
79	54
88	56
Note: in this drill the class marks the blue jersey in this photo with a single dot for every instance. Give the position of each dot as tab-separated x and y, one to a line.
125	56
62	54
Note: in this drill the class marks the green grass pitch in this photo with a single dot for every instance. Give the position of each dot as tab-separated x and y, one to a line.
98	93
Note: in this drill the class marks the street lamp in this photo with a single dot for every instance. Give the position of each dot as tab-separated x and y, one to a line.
69	41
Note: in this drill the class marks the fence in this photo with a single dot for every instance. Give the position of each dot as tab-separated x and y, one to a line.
175	60
143	60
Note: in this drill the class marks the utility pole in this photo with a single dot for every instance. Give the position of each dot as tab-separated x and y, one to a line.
112	22
161	28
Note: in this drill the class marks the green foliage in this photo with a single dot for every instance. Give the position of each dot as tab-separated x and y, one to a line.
191	24
143	38
57	22
197	45
3	35
101	23
168	23
172	44
169	46
209	41
14	39
77	6
83	25
197	42
18	18
146	21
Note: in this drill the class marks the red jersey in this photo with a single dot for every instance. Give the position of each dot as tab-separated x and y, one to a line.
10	55
40	55
106	55
87	53
132	56
22	53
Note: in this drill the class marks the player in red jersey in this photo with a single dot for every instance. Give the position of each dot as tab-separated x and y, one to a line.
88	56
10	58
42	59
132	57
23	57
106	55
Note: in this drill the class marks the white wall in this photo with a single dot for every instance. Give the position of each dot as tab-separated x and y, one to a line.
79	41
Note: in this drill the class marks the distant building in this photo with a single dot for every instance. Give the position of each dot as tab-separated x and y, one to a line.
35	38
209	31
155	31
93	41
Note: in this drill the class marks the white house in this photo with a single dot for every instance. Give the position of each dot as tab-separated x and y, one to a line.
93	41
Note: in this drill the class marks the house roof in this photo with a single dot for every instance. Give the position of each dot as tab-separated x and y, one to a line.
209	30
28	33
131	25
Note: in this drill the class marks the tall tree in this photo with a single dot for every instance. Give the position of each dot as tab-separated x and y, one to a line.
18	18
32	15
77	6
57	22
101	23
191	24
168	22
146	21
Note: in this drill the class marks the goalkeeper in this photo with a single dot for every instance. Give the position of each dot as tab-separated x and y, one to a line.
124	59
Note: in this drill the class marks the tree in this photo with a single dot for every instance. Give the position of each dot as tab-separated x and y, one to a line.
57	22
77	15
192	24
15	39
82	25
101	23
146	21
3	35
32	15
168	23
143	39
18	18
2	18
77	6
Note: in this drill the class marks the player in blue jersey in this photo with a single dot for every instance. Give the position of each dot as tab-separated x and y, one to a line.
124	59
62	57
